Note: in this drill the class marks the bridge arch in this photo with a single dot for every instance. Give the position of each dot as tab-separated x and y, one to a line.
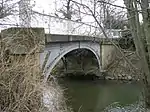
66	51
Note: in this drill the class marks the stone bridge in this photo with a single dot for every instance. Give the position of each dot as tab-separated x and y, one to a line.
55	46
59	45
56	50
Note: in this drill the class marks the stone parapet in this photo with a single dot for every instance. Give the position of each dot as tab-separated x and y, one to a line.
24	40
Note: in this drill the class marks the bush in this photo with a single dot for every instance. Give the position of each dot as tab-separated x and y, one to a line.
22	86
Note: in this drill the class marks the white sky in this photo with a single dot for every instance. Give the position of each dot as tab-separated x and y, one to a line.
119	2
49	6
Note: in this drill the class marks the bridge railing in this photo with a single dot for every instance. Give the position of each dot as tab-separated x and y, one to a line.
56	25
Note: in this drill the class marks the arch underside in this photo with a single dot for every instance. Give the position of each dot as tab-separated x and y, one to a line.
58	50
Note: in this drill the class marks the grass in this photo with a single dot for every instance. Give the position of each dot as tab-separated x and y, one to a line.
22	87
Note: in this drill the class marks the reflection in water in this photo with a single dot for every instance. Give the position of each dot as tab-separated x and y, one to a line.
94	96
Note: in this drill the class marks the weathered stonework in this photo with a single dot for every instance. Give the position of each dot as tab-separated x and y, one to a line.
24	40
119	69
108	54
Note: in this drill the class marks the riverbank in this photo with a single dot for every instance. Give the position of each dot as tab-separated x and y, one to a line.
22	87
118	69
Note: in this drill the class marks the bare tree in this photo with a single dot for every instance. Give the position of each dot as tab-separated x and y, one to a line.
101	10
135	8
69	10
7	8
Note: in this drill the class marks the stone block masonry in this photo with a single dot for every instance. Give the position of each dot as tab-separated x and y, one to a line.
24	40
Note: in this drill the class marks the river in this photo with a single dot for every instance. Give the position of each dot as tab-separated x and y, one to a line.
94	96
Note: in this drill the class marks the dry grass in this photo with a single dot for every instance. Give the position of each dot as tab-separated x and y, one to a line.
21	84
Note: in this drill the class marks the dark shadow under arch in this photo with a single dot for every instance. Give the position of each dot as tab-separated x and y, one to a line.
68	51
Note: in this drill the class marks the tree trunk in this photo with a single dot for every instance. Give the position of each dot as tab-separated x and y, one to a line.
146	22
135	26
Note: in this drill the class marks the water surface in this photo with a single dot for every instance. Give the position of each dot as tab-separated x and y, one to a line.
94	96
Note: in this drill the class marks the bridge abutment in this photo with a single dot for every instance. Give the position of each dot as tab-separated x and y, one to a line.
108	55
22	44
